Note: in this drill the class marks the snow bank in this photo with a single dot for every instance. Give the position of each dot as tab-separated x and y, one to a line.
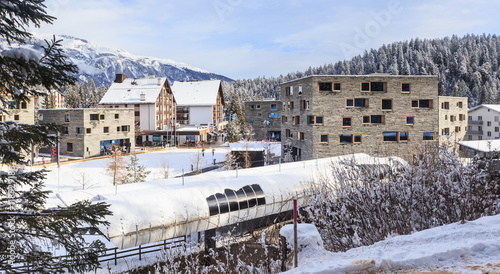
473	247
308	238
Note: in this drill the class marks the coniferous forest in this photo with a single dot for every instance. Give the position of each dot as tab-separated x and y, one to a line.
467	66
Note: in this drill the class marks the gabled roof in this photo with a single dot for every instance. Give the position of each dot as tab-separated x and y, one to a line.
129	92
198	93
492	107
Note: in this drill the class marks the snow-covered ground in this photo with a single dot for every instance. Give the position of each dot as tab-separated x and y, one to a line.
69	176
472	247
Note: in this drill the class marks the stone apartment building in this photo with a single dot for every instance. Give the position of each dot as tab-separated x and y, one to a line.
377	114
452	119
20	112
91	132
265	118
484	122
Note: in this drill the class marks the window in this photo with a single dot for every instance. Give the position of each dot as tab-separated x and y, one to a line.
445	105
88	130
488	123
300	135
452	118
262	123
274	106
346	121
117	116
125	128
403	136
2	118
295	120
497	129
394	136
101	116
357	138
284	119
366	119
325	86
422	103
489	133
250	123
94	117
274	115
16	117
65	131
137	113
365	86
69	147
345	138
323	138
461	117
118	128
410	120
446	117
497	118
357	102
259	114
429	136
336	86
391	136
290	105
13	105
304	104
24	105
386	104
457	129
300	90
105	129
257	106
459	104
445	131
480	118
66	118
314	120
405	87
289	91
251	106
79	130
480	128
289	133
373	119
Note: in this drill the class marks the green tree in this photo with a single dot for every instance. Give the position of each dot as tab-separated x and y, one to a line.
27	227
135	173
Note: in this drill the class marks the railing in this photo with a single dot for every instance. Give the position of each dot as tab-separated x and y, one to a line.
475	132
475	122
113	254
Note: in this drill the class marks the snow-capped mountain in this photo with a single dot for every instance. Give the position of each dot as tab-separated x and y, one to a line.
101	64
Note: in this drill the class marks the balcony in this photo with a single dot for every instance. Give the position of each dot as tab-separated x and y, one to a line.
475	122
475	132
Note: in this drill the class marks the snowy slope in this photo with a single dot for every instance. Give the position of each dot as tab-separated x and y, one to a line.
473	247
101	64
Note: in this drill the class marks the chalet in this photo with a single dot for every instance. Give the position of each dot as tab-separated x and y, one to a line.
153	104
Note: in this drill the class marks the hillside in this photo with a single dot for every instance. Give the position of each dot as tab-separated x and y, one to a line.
101	64
467	66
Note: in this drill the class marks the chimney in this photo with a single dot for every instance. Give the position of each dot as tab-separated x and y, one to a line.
120	77
143	96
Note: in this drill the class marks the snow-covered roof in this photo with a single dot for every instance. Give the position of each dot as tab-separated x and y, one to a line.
197	93
482	145
492	107
129	92
274	147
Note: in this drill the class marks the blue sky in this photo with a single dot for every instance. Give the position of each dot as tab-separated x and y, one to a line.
251	38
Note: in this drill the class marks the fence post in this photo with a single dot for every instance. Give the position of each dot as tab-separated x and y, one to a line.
115	255
140	257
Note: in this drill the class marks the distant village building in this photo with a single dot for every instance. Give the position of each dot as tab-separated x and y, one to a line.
377	114
482	148
152	102
50	100
452	119
484	122
91	132
264	116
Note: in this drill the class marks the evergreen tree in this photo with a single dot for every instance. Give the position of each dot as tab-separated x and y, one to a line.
135	173
27	228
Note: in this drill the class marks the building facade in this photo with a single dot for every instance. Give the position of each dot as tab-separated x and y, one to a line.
264	116
382	115
20	112
452	119
484	123
152	102
199	102
91	132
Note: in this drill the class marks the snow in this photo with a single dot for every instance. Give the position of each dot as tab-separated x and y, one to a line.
197	93
273	147
472	247
130	91
482	145
489	106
